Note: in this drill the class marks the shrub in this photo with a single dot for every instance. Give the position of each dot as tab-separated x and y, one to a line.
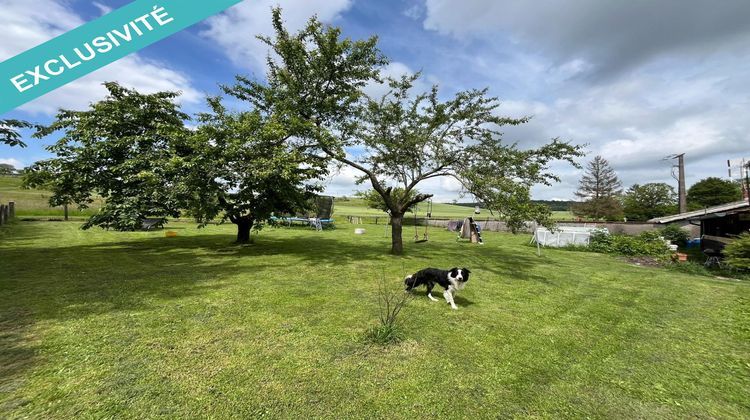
645	244
390	304
737	253
600	241
675	234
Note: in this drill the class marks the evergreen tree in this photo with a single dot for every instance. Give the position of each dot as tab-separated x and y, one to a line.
599	189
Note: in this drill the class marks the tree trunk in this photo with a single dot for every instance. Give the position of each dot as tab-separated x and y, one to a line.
397	244
65	211
244	225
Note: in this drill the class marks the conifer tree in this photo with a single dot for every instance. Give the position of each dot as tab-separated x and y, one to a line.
599	190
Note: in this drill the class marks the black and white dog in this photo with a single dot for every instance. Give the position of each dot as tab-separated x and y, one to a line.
451	280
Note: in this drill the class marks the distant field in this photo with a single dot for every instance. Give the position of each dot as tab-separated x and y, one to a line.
36	203
357	207
32	202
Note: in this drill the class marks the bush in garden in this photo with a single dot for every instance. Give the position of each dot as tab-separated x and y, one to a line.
675	234
737	253
646	244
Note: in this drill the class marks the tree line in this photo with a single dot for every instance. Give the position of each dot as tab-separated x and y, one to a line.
601	195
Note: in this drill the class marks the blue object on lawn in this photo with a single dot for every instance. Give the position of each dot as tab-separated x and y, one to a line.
694	243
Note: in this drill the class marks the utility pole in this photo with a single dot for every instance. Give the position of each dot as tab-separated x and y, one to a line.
681	191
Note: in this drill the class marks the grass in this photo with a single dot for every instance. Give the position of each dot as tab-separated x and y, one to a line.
103	324
35	202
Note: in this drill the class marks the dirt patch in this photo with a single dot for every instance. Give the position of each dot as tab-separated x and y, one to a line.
643	261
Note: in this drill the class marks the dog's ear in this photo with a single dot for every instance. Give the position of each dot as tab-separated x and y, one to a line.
466	270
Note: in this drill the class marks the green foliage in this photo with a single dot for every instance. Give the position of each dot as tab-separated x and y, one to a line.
120	150
314	87
599	189
374	199
737	253
244	166
313	83
390	304
691	267
675	234
7	169
645	244
644	202
416	137
9	134
501	176
713	192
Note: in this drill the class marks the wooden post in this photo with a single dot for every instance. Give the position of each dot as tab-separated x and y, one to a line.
11	209
2	214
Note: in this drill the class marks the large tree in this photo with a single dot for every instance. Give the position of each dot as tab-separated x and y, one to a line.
713	192
410	137
314	84
119	149
599	189
643	202
244	167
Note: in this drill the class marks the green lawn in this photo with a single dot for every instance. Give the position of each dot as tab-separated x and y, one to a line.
98	324
34	202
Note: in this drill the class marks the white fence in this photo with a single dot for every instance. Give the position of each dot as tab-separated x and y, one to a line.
564	235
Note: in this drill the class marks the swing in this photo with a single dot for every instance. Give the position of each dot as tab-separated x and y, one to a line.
426	235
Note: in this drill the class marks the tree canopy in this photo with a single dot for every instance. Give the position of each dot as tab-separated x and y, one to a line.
644	202
315	87
119	149
244	167
713	192
7	169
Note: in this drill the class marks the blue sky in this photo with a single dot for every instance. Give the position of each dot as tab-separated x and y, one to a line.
636	81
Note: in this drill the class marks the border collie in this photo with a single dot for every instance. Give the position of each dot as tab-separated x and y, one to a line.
451	280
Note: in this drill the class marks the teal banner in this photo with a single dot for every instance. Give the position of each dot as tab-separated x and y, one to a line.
77	53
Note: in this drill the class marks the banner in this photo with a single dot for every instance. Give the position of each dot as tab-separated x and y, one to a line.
79	52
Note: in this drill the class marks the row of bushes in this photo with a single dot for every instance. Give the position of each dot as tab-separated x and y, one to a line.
647	244
653	244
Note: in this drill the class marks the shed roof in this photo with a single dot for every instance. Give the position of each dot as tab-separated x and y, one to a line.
708	212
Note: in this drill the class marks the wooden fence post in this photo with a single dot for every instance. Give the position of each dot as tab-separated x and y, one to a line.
11	209
2	214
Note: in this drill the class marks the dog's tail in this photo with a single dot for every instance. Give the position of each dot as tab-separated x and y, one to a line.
410	282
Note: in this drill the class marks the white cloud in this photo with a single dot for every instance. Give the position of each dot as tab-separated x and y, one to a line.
103	8
132	71
613	37
395	70
636	81
236	29
26	27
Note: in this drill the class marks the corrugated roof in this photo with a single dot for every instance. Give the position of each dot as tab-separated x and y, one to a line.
697	214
